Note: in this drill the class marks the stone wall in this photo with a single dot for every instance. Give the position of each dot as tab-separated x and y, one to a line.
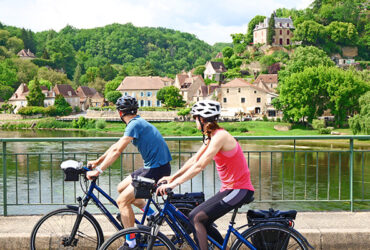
4	117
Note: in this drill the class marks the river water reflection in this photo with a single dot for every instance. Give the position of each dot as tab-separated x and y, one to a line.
314	170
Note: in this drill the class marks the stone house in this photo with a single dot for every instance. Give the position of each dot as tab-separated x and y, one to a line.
19	99
206	92
268	82
143	88
26	54
86	95
283	32
189	85
240	95
214	71
68	93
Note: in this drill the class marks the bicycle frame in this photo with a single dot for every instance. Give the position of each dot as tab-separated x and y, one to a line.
174	216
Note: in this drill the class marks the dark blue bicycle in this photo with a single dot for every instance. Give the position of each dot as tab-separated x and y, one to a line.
267	230
74	227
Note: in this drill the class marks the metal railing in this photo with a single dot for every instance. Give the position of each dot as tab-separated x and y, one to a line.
279	176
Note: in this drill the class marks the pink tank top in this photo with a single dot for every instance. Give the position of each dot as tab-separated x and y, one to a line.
233	169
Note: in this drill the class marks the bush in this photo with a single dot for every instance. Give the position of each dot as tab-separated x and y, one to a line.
325	131
77	109
83	122
278	119
317	124
265	119
51	111
52	123
100	124
31	110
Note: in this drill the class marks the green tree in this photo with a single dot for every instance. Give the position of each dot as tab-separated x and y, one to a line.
14	44
92	73
251	25
227	52
113	85
98	84
184	112
62	106
113	96
8	73
342	33
271	29
310	33
360	123
4	36
26	70
6	92
170	96
35	96
199	70
107	72
53	76
77	76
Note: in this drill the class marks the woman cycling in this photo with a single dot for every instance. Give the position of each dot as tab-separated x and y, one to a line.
231	165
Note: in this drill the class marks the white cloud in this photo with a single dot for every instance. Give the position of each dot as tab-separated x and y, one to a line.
211	21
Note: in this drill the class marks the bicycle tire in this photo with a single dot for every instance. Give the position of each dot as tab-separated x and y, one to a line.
52	228
270	236
142	235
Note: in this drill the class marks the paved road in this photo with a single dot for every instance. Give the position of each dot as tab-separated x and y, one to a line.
324	230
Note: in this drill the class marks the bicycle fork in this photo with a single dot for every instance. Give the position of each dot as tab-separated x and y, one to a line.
71	240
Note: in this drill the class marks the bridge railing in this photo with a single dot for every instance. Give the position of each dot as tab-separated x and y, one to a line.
314	178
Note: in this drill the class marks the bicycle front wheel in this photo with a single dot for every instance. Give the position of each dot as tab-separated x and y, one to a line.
142	236
270	236
53	230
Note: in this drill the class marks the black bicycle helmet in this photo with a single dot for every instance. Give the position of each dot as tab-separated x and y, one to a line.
127	104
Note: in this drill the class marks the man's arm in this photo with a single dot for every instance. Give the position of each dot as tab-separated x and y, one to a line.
112	154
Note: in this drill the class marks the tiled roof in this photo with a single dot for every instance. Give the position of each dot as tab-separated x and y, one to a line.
239	82
182	78
190	80
267	78
22	92
219	67
141	82
84	91
64	90
25	53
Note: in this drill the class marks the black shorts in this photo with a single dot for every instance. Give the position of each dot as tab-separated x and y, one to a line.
153	173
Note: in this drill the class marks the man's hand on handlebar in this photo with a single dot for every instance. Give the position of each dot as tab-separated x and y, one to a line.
93	174
162	189
165	180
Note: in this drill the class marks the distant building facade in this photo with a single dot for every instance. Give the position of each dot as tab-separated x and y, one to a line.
26	54
68	93
283	32
143	88
89	97
188	85
268	82
214	71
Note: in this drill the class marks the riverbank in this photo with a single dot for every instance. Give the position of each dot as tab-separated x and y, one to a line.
323	230
246	128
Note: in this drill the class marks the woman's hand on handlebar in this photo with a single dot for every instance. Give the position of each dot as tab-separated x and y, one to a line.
162	188
93	174
92	164
165	180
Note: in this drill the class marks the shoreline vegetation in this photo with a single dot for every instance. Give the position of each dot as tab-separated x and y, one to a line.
245	128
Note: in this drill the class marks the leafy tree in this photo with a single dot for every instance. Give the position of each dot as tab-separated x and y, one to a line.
184	112
35	96
199	70
227	52
113	96
342	33
271	29
46	83
232	73
26	70
4	36
98	84
27	36
239	48
62	106
360	123
251	25
53	76
77	76
107	72
238	38
310	33
112	85
8	73
92	73
6	92
170	96
14	44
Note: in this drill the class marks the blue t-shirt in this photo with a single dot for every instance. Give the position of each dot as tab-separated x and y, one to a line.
149	142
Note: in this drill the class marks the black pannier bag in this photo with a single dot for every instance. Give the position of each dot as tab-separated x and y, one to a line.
72	169
143	187
271	239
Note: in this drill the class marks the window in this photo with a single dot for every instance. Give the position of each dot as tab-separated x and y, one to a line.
126	94
158	103
255	91
149	94
287	32
258	99
281	32
238	90
281	24
141	94
287	41
271	113
242	100
149	103
281	41
227	90
287	25
225	100
141	103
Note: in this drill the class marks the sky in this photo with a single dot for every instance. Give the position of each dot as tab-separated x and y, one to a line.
211	21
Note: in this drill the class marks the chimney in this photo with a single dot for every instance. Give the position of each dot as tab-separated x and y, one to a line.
190	74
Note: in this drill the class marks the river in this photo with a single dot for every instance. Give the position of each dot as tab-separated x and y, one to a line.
312	177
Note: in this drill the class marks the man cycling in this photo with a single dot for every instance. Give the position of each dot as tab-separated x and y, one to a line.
153	150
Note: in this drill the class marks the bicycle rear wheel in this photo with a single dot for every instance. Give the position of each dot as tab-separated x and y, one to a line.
142	236
271	236
53	230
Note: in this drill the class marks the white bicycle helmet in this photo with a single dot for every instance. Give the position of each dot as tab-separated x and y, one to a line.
206	109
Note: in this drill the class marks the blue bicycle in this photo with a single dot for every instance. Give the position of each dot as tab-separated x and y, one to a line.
267	230
73	227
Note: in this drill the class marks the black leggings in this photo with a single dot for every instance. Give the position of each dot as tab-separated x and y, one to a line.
215	207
